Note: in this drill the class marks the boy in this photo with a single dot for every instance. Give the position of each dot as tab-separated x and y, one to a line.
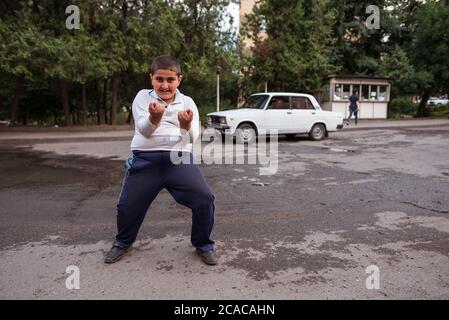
163	117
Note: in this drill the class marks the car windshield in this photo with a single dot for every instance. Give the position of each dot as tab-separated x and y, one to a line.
255	102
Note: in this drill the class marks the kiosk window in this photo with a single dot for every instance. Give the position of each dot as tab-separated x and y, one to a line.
373	93
355	87
346	91
342	91
382	93
338	94
364	95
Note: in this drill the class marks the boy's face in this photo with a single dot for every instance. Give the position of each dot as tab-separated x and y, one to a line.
165	82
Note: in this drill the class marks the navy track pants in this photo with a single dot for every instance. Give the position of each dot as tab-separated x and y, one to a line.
147	173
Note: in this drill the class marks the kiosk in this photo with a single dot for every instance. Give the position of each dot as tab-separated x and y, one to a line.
374	96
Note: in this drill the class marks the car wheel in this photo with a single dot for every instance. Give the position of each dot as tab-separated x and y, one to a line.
218	136
318	132
246	133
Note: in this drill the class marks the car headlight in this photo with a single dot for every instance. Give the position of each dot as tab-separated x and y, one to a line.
222	120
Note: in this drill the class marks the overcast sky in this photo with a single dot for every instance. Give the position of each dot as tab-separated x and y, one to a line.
234	11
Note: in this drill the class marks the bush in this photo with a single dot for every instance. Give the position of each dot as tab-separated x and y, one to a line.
402	106
440	111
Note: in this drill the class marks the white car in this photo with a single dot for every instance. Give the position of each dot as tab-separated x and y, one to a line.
434	101
289	113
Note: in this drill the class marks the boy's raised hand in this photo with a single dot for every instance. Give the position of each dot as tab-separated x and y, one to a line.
156	112
185	119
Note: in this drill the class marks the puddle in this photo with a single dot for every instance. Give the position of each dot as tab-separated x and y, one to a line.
31	169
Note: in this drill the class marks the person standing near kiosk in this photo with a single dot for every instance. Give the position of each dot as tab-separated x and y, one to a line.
353	107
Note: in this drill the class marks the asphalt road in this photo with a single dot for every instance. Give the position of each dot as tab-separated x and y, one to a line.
370	198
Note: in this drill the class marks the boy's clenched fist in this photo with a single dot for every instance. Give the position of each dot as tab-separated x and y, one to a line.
185	119
156	112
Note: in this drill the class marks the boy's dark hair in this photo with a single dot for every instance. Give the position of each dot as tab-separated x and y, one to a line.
167	63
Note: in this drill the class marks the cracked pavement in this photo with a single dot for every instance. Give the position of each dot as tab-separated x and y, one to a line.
359	198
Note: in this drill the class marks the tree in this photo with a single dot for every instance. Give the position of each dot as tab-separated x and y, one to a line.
405	78
358	49
204	45
430	47
292	44
115	45
20	43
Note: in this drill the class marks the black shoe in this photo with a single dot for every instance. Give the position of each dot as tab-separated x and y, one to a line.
208	257
115	254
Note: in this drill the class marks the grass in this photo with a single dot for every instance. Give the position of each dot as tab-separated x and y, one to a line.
440	111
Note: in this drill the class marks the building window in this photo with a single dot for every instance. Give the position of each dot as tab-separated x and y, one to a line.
338	94
342	92
355	87
383	95
346	91
364	95
366	92
373	92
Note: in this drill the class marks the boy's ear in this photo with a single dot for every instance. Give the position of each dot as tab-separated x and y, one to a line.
180	77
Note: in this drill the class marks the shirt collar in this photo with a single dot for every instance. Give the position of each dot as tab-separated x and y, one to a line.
176	101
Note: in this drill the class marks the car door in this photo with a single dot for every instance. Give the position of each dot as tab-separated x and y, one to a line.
303	114
278	114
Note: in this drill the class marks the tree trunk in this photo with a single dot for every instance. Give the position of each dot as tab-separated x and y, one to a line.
76	113
114	99
55	116
130	116
97	102
84	104
105	101
15	102
423	104
26	118
65	101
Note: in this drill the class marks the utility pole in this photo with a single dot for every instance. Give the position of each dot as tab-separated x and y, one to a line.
218	87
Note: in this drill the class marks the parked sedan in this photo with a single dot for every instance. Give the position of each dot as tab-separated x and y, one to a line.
434	101
288	113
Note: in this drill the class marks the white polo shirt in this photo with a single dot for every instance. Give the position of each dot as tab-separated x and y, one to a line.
167	135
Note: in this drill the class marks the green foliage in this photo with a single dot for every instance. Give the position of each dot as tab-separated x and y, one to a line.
116	38
295	53
297	44
204	46
402	106
20	44
358	49
440	111
431	45
405	79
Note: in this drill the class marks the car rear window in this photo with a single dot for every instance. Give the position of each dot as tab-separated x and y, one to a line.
301	103
279	102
